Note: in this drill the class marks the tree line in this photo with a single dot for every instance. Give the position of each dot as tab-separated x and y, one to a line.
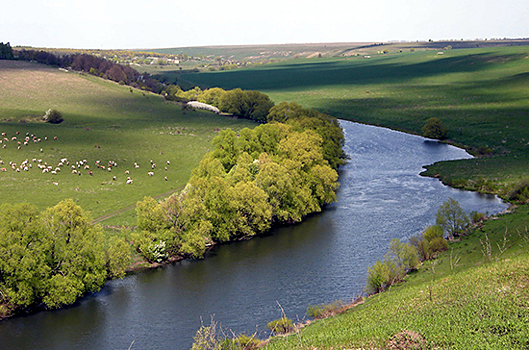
82	62
276	173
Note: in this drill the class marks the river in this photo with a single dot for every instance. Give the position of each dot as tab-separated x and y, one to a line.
246	284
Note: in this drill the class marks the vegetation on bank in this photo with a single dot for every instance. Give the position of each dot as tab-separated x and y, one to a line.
472	296
479	94
469	294
276	173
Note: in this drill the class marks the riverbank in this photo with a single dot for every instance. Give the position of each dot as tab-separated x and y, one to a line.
475	293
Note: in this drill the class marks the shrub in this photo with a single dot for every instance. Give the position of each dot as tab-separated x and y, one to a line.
325	310
434	129
520	192
280	326
53	116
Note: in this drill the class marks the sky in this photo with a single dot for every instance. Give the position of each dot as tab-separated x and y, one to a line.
140	24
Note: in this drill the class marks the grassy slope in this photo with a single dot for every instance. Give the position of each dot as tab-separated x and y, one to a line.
103	121
478	299
481	95
466	299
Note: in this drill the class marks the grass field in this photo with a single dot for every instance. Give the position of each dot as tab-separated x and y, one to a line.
474	296
480	94
103	121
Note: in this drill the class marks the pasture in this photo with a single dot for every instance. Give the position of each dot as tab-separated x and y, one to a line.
109	126
480	94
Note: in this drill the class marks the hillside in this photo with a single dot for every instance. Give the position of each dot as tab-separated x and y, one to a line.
472	297
480	95
104	122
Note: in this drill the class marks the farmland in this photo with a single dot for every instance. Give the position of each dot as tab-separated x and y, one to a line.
480	94
104	122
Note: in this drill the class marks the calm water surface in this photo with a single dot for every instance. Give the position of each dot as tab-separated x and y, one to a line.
244	285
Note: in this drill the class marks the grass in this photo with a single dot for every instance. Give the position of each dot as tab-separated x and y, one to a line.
481	95
103	121
474	296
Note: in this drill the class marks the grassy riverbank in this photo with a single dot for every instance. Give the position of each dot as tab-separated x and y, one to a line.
473	296
481	95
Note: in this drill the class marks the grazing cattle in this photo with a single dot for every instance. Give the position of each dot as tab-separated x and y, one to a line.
150	173
165	178
56	183
129	182
114	178
3	169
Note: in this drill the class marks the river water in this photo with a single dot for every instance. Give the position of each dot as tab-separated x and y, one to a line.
244	285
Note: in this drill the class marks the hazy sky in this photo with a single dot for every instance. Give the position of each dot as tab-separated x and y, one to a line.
100	24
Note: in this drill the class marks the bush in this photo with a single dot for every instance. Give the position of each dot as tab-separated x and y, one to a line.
520	192
434	129
325	310
280	326
53	116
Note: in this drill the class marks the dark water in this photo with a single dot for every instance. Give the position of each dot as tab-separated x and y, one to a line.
246	284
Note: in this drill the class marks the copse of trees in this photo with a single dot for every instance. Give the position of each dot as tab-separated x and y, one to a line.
277	173
6	51
404	257
53	257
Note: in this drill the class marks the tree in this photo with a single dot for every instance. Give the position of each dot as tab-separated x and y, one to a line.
53	116
76	256
434	129
451	217
6	52
23	268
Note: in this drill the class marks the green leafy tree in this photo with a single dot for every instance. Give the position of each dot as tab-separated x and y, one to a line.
23	268
53	116
76	256
451	217
434	129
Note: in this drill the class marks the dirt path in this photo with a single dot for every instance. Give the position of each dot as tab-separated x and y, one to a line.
127	208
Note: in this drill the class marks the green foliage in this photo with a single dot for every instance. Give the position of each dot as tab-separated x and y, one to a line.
53	116
325	310
118	258
248	104
52	257
520	192
451	217
280	326
434	129
430	243
400	258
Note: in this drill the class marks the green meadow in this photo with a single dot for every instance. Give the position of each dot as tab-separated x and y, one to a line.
481	95
473	296
104	122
